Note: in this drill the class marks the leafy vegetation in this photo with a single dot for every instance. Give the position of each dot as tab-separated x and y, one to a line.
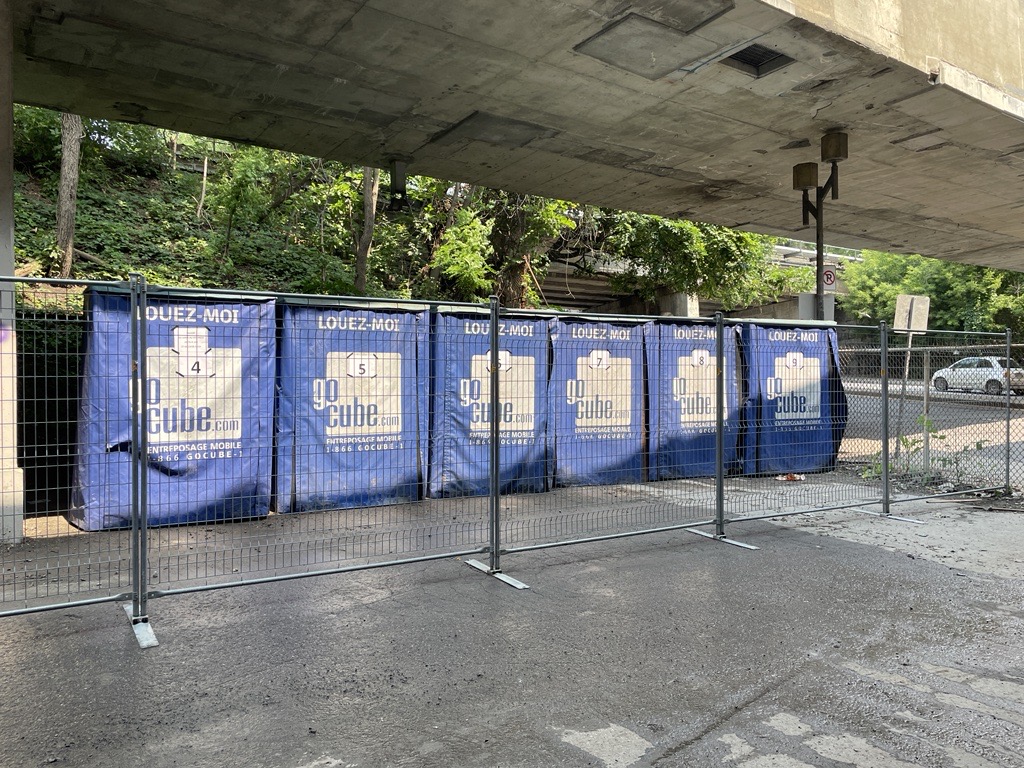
717	263
190	211
963	297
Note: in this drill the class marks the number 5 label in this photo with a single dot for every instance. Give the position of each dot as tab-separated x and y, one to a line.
362	365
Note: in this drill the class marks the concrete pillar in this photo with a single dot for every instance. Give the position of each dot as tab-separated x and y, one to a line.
679	304
12	495
808	306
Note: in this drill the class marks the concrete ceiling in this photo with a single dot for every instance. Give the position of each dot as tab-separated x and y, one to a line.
633	105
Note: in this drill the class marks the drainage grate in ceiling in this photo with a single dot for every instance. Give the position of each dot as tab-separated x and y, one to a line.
757	60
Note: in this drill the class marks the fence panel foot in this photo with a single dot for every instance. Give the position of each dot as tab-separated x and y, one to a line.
723	539
497	574
888	516
143	630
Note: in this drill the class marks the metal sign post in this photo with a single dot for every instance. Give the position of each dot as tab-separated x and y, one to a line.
911	318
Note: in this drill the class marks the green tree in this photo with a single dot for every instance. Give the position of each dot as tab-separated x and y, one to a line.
138	150
464	256
963	297
717	263
37	135
281	221
522	229
458	242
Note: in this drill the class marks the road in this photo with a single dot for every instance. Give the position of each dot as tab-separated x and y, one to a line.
966	442
958	411
666	651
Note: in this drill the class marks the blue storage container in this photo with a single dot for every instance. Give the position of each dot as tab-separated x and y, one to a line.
795	409
208	401
353	407
461	435
596	399
681	364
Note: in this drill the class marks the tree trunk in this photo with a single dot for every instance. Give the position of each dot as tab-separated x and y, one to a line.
67	192
202	190
507	234
371	185
227	237
290	190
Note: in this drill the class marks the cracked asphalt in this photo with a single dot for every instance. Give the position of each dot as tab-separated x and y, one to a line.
823	648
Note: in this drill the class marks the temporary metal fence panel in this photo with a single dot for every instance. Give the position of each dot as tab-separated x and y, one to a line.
953	414
858	473
462	403
351	458
599	396
45	561
796	417
408	433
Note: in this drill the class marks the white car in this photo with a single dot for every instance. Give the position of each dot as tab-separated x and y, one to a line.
986	374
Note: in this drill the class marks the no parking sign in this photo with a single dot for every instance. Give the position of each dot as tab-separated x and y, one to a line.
828	278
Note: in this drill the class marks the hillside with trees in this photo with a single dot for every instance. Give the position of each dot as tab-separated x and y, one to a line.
189	211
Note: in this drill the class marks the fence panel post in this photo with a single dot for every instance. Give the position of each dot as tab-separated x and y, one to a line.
926	424
884	404
719	425
494	515
139	544
1009	391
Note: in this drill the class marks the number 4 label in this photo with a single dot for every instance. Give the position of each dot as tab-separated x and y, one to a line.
192	345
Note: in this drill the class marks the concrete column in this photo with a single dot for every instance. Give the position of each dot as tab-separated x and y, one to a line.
11	485
679	304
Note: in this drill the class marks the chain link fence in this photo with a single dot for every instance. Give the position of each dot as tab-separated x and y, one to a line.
159	441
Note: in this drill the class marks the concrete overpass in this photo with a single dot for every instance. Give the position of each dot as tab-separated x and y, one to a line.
693	108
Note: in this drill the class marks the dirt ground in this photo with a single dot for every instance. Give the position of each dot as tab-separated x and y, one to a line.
982	536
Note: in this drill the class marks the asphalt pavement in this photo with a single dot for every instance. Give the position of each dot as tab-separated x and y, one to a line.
666	650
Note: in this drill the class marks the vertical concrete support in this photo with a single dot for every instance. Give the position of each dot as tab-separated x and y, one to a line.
11	485
679	304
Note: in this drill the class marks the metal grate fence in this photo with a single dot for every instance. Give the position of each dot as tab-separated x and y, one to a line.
158	441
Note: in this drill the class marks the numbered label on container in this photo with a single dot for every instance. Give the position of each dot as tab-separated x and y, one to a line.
795	389
601	391
361	394
192	391
695	387
517	396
